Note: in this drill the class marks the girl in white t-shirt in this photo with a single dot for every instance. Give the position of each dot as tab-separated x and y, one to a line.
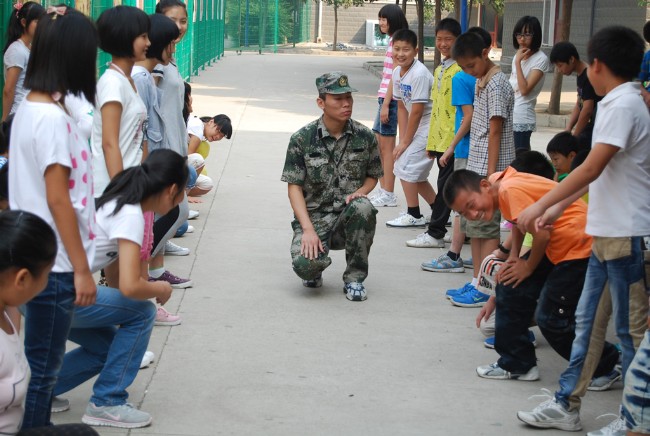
201	131
21	29
529	66
118	134
50	175
115	353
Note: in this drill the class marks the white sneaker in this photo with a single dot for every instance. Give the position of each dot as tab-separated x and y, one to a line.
175	250
406	220
615	428
551	414
194	214
190	229
385	199
447	237
495	372
424	240
147	359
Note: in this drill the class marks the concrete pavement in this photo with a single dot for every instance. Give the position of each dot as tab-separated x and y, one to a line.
258	354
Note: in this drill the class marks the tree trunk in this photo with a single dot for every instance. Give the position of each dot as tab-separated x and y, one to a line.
469	12
565	31
336	26
420	6
457	9
437	17
404	6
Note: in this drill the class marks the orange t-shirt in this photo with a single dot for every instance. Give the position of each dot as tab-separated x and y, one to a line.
568	239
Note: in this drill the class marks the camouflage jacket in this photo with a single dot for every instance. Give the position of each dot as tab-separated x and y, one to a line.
329	170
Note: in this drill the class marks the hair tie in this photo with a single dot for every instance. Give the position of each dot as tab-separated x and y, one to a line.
18	6
56	10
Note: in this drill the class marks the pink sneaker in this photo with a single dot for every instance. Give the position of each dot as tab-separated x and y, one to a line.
165	318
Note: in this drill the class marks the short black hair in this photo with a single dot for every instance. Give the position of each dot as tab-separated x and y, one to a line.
450	25
407	36
186	101
484	34
223	122
579	159
394	16
469	44
27	242
563	51
618	47
533	162
63	57
563	143
459	180
118	27
646	31
533	25
163	5
163	31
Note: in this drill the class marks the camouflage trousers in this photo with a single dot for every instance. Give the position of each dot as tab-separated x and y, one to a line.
352	229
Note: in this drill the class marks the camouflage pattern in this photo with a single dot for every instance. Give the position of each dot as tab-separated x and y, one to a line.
311	162
333	83
353	230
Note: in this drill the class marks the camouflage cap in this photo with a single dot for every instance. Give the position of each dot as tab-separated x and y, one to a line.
333	83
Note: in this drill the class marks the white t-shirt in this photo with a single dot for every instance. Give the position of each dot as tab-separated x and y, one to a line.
42	135
195	127
17	55
81	112
127	224
415	87
14	380
114	87
619	199
524	111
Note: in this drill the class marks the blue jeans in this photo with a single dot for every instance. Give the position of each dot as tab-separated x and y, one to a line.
113	335
47	322
522	141
191	180
617	262
636	395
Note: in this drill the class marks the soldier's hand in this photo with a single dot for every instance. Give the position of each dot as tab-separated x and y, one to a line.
352	196
311	245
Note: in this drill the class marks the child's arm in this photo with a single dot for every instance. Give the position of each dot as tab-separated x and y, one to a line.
311	245
584	116
494	144
131	282
111	113
194	143
413	121
57	178
526	84
9	91
463	129
383	114
575	182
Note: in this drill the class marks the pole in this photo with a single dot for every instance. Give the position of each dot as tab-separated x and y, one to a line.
463	15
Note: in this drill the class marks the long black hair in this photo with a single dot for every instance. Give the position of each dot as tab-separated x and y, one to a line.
223	122
27	242
395	18
29	12
159	170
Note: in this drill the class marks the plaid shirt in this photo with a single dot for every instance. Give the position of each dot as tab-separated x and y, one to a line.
496	99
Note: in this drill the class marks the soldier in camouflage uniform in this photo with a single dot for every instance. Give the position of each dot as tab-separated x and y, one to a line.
332	164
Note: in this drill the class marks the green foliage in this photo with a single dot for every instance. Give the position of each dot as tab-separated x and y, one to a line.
343	3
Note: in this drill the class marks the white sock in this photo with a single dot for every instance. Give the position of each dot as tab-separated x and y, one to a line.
156	272
475	282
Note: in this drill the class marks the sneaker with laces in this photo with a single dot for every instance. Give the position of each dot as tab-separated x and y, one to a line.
175	281
444	264
467	287
615	428
407	220
424	240
495	372
313	283
604	382
147	359
60	404
472	298
489	341
385	199
122	416
355	291
165	318
172	249
551	414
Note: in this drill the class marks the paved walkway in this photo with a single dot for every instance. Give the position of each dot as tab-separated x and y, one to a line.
258	354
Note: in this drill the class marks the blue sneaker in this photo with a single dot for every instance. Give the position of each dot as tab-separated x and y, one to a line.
455	292
471	298
489	341
444	264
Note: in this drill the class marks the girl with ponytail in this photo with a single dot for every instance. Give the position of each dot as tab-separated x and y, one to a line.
114	332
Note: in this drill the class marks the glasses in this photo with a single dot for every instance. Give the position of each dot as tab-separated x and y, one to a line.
524	35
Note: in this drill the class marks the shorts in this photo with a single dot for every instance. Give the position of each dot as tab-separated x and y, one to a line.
413	165
390	128
460	163
483	229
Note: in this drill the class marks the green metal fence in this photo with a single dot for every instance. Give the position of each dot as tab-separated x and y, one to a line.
202	45
263	25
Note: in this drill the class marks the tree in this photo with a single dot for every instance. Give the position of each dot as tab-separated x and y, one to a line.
565	30
336	4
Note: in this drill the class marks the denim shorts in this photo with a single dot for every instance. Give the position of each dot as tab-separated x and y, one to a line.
389	129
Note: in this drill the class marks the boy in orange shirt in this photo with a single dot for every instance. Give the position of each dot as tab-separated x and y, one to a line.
545	283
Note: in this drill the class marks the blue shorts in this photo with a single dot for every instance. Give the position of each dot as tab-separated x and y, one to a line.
389	129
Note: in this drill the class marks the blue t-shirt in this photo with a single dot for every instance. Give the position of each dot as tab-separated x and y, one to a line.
462	93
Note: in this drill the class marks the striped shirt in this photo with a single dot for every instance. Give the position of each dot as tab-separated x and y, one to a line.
387	72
